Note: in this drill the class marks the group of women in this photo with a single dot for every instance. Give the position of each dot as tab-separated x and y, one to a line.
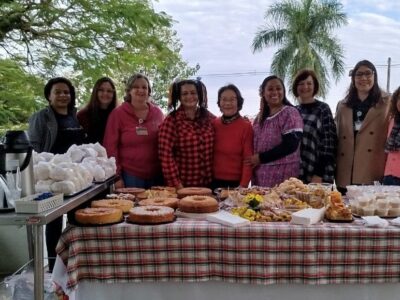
192	147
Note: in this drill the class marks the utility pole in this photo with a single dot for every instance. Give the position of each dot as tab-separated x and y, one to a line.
388	75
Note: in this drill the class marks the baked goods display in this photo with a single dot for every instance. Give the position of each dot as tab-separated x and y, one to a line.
122	204
151	214
98	216
198	204
382	205
170	202
191	191
336	209
130	190
121	196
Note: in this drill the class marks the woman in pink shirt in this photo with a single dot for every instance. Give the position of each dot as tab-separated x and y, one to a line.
132	136
392	147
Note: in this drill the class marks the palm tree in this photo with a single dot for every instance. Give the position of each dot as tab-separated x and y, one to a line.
303	32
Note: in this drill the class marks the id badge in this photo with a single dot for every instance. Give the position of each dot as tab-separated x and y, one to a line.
357	125
141	130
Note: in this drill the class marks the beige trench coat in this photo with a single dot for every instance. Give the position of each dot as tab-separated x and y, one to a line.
361	160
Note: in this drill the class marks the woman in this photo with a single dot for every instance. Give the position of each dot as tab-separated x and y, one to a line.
131	136
361	120
319	141
186	138
54	129
233	141
93	117
392	147
277	134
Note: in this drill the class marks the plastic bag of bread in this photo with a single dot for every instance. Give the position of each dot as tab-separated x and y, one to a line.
66	187
42	171
57	173
43	186
76	153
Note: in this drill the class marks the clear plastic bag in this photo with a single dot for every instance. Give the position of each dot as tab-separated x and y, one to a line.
20	285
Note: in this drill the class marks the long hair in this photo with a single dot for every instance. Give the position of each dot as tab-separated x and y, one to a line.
375	93
53	81
394	112
264	108
235	89
93	105
131	81
176	95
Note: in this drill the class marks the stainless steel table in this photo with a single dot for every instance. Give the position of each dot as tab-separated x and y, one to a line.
38	220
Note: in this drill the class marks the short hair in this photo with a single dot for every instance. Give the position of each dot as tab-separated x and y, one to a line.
131	81
53	81
235	89
303	75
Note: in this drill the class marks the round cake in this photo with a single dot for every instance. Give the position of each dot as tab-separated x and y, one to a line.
198	204
124	205
191	191
121	196
98	215
170	202
130	190
164	188
151	214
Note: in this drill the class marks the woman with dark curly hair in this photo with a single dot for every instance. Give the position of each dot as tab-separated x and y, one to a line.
362	119
186	137
392	147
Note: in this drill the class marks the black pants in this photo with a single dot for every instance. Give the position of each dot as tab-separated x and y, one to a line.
53	233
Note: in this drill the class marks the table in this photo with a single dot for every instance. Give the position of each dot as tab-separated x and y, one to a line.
197	252
37	221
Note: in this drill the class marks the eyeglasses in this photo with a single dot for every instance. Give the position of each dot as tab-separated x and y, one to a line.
367	74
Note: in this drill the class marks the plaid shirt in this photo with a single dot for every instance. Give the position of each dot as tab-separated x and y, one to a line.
186	150
319	142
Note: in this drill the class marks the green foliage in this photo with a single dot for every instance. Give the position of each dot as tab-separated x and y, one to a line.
20	93
303	30
87	39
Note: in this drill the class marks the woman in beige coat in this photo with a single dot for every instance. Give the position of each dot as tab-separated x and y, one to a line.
362	120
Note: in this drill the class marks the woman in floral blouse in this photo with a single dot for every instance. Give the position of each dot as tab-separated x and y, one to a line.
186	138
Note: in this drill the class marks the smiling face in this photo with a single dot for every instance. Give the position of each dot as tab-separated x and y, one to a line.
105	94
273	94
363	80
305	90
228	103
139	91
60	97
188	96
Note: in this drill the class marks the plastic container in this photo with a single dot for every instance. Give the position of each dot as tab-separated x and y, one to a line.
28	205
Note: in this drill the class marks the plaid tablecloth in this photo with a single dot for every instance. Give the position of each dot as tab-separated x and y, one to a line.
262	253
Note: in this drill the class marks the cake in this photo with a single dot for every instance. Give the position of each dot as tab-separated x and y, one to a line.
151	214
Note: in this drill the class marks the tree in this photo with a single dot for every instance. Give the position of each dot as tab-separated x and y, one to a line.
87	39
20	93
304	32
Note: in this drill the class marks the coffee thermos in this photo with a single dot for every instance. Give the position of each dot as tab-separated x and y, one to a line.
16	151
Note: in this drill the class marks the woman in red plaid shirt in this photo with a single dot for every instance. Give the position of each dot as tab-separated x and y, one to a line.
186	138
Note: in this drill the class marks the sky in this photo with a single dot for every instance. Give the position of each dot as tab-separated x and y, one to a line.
217	35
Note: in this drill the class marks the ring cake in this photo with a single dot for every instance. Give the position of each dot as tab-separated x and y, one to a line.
191	191
130	190
97	215
198	204
151	214
121	196
170	202
124	205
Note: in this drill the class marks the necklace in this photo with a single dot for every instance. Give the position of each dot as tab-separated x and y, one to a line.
230	119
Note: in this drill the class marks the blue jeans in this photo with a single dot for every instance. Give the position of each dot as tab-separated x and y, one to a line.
391	180
134	181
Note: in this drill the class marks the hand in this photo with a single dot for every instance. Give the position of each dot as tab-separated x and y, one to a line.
253	160
119	184
316	179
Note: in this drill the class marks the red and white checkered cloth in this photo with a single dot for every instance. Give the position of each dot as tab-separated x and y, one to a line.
262	253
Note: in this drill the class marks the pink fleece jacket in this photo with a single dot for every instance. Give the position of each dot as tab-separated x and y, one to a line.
134	145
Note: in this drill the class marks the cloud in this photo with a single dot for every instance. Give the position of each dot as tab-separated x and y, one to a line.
218	35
